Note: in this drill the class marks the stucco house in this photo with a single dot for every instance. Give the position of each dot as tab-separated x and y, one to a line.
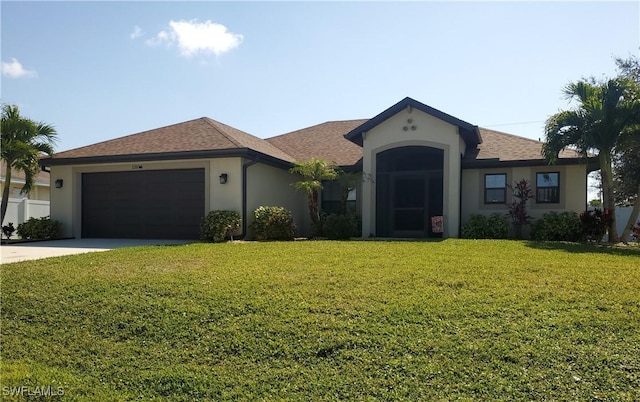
416	163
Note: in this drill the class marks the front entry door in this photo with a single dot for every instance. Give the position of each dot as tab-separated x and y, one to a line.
409	205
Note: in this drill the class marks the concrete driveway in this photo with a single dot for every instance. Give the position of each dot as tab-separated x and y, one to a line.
53	248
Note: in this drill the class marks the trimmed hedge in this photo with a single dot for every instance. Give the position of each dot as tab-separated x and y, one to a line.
557	226
39	229
218	225
273	223
494	226
341	226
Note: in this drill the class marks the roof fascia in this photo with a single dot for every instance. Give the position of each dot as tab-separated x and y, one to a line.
165	156
591	163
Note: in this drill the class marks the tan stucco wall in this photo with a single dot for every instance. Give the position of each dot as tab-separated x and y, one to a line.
429	131
42	193
62	200
271	186
573	190
226	196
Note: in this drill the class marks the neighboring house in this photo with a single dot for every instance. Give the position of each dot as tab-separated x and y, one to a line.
21	207
416	163
40	190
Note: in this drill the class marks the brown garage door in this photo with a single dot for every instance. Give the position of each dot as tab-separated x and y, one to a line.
147	204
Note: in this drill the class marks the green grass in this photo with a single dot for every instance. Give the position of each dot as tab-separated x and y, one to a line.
456	319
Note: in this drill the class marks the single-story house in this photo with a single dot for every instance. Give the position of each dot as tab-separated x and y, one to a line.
416	163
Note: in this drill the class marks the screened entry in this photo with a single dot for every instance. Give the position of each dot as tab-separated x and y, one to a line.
409	191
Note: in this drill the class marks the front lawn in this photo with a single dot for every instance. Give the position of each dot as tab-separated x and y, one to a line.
456	319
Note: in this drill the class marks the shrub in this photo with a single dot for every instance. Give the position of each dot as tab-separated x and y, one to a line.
555	226
8	230
39	228
595	224
635	231
218	225
521	193
494	226
341	226
273	223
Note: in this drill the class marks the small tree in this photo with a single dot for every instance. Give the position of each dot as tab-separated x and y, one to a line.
522	193
348	181
604	114
314	172
626	162
22	141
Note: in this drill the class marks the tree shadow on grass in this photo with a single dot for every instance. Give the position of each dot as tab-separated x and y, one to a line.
627	251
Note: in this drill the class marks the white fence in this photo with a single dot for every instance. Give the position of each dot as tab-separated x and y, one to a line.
20	210
622	216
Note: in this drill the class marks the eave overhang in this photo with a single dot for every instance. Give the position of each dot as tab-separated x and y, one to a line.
166	156
591	163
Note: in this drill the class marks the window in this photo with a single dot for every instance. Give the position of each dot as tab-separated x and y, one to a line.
548	188
332	198
495	188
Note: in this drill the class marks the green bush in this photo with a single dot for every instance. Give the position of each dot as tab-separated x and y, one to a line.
595	224
341	226
39	228
557	226
494	226
273	223
218	225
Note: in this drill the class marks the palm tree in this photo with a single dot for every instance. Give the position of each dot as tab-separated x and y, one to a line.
599	122
22	141
627	162
314	172
348	181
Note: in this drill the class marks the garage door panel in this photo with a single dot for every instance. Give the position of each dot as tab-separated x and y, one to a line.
143	204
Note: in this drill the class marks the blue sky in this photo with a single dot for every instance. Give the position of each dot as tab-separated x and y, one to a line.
101	70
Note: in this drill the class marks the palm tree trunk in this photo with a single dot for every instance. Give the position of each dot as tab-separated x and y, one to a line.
5	193
607	192
632	219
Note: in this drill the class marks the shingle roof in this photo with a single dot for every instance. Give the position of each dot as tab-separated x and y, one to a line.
509	147
325	141
201	134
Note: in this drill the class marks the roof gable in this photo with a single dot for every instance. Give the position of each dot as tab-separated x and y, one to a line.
470	133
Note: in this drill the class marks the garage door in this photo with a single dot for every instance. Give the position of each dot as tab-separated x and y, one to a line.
153	204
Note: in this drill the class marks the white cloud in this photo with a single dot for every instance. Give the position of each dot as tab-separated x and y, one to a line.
14	69
137	32
193	37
